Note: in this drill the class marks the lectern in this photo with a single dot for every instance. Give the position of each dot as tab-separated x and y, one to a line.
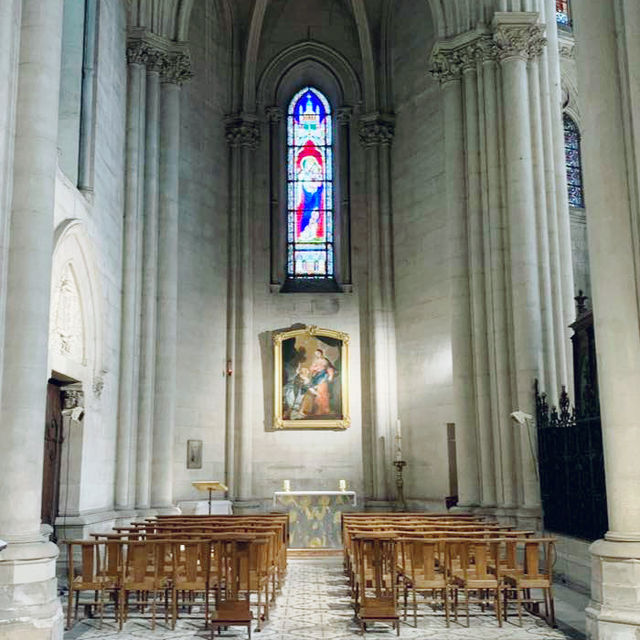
210	486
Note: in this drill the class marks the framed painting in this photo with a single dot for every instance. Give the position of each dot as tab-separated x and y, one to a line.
311	374
194	454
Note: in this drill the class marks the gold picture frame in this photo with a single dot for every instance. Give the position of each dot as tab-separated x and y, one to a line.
311	379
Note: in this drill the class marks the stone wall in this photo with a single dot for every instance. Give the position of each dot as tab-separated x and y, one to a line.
202	248
420	251
97	219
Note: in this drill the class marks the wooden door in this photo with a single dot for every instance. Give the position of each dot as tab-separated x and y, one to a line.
52	454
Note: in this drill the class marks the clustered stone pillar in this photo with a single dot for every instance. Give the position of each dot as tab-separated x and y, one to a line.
504	227
608	37
174	73
243	136
125	490
29	606
376	135
518	38
147	394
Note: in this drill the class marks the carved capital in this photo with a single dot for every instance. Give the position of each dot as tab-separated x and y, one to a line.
445	66
452	58
137	52
274	114
168	58
343	115
376	130
523	41
177	68
242	132
72	399
156	60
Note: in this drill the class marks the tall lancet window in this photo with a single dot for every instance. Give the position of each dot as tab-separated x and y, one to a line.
574	162
309	187
563	14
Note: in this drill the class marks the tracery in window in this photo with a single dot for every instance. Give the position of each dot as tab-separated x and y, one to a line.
309	186
563	16
574	162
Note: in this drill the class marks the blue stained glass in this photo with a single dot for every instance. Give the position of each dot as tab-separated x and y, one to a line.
562	14
310	193
574	163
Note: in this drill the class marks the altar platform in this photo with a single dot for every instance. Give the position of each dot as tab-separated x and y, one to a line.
314	516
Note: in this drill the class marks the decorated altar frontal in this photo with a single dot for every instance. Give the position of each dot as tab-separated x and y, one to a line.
314	516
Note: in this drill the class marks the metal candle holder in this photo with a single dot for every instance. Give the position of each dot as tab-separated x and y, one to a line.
400	501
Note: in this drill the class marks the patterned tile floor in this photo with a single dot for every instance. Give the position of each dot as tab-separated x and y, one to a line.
315	605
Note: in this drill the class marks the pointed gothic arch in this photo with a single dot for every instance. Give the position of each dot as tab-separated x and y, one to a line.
75	328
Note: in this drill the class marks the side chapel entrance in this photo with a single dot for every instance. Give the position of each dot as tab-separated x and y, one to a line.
53	438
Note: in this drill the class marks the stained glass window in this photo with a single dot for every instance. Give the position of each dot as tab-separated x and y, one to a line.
563	17
309	186
574	162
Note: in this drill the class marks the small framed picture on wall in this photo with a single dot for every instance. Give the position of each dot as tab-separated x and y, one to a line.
194	454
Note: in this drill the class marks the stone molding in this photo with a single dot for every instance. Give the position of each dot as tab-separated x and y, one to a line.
376	130
242	131
515	34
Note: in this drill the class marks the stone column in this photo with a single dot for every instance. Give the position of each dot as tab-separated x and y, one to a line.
446	66
175	72
376	134
343	138
29	606
608	56
518	37
473	91
146	389
496	285
125	492
243	136
10	13
88	104
275	116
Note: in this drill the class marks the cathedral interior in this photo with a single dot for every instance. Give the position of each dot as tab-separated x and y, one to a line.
320	257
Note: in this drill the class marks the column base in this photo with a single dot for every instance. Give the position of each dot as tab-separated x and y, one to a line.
29	605
246	506
613	612
529	518
168	510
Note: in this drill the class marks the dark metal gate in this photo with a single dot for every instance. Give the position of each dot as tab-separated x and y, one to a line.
572	481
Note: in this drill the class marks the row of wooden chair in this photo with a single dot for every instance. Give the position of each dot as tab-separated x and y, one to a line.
182	563
449	561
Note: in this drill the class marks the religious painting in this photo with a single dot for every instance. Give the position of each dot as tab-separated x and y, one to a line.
194	454
311	379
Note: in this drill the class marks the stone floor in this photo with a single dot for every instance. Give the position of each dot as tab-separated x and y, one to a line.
315	605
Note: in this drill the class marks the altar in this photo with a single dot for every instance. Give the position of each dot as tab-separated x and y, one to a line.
314	516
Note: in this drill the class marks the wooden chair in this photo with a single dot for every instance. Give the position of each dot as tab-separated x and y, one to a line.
145	573
479	575
233	599
377	581
191	575
97	560
534	573
425	573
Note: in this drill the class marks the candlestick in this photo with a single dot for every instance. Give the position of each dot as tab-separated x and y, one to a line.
287	485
